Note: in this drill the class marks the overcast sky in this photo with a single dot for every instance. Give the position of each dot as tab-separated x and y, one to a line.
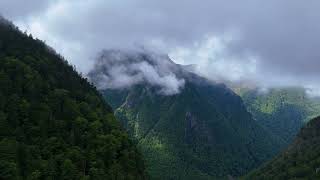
270	43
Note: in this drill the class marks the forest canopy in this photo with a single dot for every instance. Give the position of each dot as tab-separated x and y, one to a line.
53	123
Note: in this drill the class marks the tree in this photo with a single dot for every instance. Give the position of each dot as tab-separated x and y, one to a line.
68	170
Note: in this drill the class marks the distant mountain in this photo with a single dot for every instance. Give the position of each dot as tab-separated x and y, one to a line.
301	160
202	131
53	123
281	111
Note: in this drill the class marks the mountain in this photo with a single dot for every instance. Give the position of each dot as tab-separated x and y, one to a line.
301	160
53	123
281	111
200	131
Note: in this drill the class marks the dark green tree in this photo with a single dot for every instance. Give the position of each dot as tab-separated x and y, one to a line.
53	123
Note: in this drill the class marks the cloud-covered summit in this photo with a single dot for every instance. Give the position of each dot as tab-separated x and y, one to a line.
119	69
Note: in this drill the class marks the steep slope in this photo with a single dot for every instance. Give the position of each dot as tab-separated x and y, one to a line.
53	123
201	132
281	111
300	161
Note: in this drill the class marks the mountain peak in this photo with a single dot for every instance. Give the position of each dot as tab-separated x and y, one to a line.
120	69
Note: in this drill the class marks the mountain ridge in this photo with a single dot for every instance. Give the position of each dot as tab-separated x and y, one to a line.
281	111
204	131
301	160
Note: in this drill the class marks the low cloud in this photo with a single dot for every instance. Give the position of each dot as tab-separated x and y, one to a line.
214	58
123	69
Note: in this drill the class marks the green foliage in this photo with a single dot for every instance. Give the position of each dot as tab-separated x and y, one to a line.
204	132
301	160
281	111
53	123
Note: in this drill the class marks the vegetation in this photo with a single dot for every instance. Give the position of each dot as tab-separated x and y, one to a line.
281	111
300	161
53	123
204	132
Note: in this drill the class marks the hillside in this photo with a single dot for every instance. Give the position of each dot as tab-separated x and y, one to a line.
301	160
53	123
201	132
281	111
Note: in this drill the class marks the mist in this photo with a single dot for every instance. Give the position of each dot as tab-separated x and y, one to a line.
121	69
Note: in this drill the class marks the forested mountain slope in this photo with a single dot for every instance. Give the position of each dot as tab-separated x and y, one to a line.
281	111
53	123
201	132
301	160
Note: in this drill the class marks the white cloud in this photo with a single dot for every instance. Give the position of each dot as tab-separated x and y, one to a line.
123	69
213	60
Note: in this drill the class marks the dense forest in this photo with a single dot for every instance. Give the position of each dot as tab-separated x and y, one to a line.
281	111
203	132
53	123
301	160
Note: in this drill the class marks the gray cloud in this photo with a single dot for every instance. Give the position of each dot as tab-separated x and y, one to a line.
271	43
17	9
115	69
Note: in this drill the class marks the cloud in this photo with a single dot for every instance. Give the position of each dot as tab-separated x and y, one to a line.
116	69
16	9
213	60
271	43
